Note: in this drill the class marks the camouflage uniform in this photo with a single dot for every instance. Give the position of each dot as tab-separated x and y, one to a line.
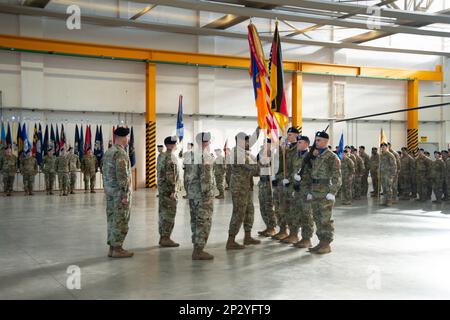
265	192
242	191
219	174
8	167
62	168
326	178
187	158
29	169
359	173
301	211
89	167
364	183
200	192
396	175
117	186
413	178
49	169
74	165
374	166
348	170
229	162
406	173
388	169
292	218
167	186
423	169
438	175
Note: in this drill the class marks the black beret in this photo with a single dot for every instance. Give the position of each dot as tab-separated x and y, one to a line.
362	147
304	138
383	144
421	149
345	151
293	130
444	151
203	137
170	140
268	140
438	152
160	146
122	131
322	134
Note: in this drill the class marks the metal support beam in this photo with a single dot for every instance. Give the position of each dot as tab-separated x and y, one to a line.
143	11
413	116
297	99
36	3
150	125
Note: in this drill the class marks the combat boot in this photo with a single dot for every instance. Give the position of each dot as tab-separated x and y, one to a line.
233	245
72	192
387	203
304	243
293	238
199	254
119	252
51	192
165	241
92	191
316	248
324	249
31	193
248	240
437	201
269	232
281	235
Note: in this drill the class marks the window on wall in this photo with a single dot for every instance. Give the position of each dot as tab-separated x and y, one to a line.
339	99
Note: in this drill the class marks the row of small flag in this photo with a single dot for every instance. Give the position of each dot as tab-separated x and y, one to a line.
56	139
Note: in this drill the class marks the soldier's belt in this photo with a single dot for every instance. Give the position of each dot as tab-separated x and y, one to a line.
321	181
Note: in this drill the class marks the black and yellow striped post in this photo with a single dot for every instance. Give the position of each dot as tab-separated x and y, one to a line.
413	116
150	124
297	117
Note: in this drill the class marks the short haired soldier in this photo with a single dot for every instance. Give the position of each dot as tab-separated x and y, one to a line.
28	169
49	170
8	167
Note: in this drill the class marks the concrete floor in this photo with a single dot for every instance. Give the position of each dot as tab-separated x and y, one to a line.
379	253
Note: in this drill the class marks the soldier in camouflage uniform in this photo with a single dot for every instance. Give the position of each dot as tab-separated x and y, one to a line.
200	192
265	190
429	179
359	173
117	186
406	172
444	186
29	169
326	181
167	186
388	169
374	167
397	174
160	149
229	162
348	170
438	174
219	173
301	211
423	170
62	168
413	176
49	170
243	169
74	165
186	156
89	166
8	167
364	179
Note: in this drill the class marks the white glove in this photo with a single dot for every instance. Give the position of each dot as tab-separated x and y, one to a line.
285	182
309	197
297	178
330	197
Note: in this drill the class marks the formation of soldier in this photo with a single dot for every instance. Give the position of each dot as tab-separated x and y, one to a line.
64	167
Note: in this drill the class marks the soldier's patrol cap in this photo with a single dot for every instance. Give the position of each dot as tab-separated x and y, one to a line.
203	137
122	131
304	138
322	134
170	140
293	130
384	144
241	136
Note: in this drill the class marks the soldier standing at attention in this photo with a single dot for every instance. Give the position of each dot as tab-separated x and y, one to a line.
29	169
406	172
301	212
62	168
365	177
200	192
399	166
423	170
438	174
219	173
388	169
326	181
348	170
167	187
243	170
8	167
359	173
74	165
374	166
265	190
160	149
117	186
49	169
89	166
